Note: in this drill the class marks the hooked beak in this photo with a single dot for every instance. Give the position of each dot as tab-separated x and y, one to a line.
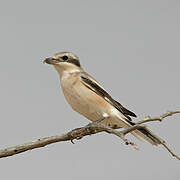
51	61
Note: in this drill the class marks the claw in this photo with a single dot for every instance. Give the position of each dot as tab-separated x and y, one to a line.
72	141
78	138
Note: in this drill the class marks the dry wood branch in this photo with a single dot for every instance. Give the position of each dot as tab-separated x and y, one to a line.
78	133
70	136
149	119
160	118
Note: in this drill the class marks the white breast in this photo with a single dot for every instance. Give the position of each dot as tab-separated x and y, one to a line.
80	97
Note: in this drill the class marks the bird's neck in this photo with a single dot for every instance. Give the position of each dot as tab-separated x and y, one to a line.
67	70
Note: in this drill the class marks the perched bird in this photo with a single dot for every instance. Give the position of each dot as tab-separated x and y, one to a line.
86	96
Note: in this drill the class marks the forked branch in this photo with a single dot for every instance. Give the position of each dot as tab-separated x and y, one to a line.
91	128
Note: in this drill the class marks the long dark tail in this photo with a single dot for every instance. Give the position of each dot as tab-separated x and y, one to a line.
146	134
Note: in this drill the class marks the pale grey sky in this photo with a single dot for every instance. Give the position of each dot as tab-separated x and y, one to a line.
138	44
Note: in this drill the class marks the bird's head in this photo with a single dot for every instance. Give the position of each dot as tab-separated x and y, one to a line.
64	61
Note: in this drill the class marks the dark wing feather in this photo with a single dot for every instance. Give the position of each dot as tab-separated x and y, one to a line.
126	111
91	84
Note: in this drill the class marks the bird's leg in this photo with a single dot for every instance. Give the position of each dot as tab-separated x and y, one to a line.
94	122
100	120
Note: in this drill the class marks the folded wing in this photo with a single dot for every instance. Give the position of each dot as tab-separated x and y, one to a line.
92	84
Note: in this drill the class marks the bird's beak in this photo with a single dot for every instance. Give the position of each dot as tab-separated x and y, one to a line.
51	61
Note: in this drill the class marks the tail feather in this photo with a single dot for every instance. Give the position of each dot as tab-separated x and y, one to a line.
146	134
141	133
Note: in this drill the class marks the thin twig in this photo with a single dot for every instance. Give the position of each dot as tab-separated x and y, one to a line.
149	119
171	152
91	128
160	118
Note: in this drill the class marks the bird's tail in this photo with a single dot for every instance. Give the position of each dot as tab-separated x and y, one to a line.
145	133
141	133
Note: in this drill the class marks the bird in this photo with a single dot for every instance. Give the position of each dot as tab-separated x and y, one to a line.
87	97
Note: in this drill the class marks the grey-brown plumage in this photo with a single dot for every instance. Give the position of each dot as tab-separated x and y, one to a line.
99	90
86	96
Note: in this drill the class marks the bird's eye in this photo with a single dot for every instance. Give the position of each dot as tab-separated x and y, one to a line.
65	58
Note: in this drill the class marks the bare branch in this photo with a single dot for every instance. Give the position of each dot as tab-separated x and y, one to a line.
171	152
78	133
91	128
149	119
160	118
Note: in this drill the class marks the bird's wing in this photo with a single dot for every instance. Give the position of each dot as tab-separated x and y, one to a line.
93	85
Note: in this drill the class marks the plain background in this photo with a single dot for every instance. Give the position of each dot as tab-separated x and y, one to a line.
130	47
